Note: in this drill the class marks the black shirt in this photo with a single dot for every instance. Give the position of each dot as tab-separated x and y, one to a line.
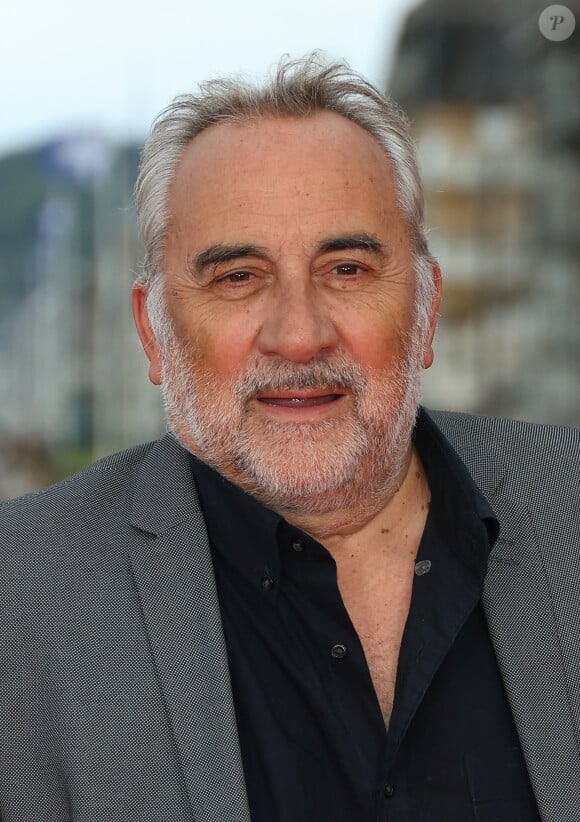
313	740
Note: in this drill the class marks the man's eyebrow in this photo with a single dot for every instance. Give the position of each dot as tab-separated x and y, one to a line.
363	242
222	253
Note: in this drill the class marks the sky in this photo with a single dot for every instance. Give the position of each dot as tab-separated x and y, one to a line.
112	66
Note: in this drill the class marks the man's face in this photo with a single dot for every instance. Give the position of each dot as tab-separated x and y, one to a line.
293	364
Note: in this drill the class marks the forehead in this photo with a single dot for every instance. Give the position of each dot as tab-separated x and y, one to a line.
268	146
282	167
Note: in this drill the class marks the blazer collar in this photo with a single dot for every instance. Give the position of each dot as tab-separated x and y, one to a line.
173	573
519	607
165	493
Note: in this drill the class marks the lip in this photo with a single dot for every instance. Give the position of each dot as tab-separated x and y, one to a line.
301	405
323	395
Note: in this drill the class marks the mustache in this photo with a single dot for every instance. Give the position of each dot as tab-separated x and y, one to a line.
281	375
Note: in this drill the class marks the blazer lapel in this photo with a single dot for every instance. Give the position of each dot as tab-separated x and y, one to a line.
520	613
174	575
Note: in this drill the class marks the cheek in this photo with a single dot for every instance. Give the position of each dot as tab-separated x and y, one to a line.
377	323
227	348
375	344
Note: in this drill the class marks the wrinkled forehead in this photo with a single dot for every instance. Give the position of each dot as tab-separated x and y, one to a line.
282	173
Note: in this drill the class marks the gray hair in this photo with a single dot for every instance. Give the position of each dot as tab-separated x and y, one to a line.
298	88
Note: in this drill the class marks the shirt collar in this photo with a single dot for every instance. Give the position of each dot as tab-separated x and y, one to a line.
456	501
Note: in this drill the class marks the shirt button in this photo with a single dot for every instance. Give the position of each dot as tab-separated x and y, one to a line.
388	791
267	583
422	567
338	651
297	545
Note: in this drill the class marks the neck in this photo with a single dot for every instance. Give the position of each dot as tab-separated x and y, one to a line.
379	518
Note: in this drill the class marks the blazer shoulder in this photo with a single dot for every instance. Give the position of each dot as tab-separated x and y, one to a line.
500	435
106	486
533	463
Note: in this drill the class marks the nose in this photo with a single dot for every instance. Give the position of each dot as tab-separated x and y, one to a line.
296	326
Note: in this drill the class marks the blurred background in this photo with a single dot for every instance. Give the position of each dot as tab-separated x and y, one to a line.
495	108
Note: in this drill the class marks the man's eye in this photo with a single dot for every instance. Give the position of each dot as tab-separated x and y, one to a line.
236	277
348	269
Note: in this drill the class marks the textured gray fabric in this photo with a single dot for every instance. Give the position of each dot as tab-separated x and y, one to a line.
115	700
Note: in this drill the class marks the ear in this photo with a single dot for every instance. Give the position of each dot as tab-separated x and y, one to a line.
428	355
146	335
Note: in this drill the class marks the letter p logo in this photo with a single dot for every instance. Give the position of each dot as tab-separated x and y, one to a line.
557	23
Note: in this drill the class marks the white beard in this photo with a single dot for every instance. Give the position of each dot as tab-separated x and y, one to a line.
316	467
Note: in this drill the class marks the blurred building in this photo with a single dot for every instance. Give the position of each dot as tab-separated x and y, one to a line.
495	108
73	377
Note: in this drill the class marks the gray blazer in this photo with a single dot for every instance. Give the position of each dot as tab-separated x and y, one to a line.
115	699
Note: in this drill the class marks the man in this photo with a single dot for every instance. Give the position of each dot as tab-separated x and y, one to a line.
275	612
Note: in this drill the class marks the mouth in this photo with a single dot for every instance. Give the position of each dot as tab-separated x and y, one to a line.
300	399
305	406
